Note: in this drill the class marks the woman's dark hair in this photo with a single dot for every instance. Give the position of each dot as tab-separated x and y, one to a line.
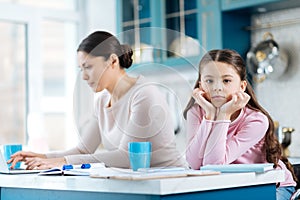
272	146
101	43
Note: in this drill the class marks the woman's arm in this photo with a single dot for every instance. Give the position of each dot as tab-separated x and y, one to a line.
115	158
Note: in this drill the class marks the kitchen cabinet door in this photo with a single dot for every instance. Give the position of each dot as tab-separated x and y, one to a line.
167	28
181	28
135	23
209	24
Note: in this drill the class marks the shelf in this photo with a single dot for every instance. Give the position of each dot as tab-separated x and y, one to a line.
228	5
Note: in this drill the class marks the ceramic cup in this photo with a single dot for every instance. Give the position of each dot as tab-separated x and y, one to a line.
10	149
139	154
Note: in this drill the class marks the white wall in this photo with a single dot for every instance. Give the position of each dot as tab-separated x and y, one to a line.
101	15
281	96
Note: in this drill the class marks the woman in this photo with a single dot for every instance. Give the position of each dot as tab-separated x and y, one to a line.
226	124
126	109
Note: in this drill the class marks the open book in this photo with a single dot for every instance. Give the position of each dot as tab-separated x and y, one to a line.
258	168
75	170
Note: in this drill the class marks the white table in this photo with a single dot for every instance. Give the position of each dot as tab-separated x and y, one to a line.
224	186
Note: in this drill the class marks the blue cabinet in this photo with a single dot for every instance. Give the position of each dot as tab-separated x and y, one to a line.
240	4
209	24
135	19
180	31
159	30
234	33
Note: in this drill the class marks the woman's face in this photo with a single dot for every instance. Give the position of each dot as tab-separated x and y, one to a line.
220	81
94	70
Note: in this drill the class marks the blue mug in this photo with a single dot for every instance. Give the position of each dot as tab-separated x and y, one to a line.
10	149
139	154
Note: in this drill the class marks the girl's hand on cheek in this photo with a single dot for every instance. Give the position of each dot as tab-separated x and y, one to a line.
237	102
199	96
242	100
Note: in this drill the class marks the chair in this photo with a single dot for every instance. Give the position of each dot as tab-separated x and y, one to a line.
296	195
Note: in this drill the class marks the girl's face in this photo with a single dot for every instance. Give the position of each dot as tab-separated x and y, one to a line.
95	70
220	81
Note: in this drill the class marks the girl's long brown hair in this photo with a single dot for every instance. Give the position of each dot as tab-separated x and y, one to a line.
271	145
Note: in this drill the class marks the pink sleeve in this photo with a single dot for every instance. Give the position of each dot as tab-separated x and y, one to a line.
197	134
209	142
224	149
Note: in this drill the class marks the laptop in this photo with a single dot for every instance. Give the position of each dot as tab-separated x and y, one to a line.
5	170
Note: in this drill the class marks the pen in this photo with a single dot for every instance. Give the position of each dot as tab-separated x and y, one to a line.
85	166
82	166
66	167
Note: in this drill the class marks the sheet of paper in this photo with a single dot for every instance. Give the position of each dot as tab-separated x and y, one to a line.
128	174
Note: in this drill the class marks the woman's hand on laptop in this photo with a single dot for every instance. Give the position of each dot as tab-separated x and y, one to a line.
35	160
44	163
22	156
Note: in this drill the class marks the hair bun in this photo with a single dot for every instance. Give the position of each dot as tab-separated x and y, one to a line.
126	57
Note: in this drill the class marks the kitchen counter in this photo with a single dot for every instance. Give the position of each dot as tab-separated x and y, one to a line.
83	187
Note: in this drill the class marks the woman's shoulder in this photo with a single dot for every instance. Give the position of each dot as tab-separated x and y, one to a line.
144	84
145	87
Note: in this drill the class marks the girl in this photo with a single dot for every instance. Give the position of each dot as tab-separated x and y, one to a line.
226	124
126	109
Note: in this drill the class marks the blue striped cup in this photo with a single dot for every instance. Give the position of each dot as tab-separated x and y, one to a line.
139	154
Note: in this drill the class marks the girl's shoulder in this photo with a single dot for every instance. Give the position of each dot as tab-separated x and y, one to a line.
250	115
254	113
251	120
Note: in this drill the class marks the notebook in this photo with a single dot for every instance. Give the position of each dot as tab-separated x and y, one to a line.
258	168
76	170
4	168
